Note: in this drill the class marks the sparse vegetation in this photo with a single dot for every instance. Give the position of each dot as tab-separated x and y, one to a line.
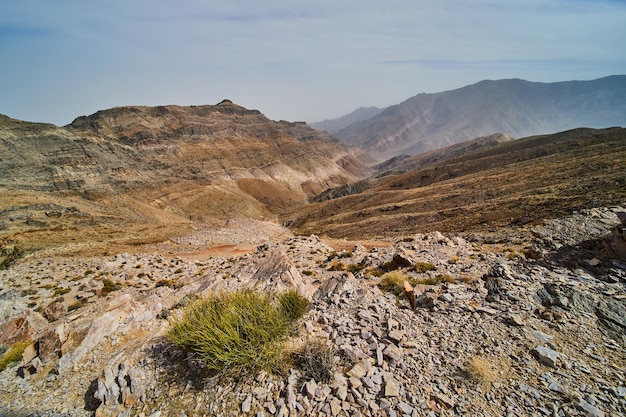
480	371
309	273
240	332
78	304
13	354
394	282
61	291
421	267
355	267
9	253
292	304
317	359
436	280
168	283
336	266
109	286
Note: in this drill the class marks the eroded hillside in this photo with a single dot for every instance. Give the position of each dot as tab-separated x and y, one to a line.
142	173
513	183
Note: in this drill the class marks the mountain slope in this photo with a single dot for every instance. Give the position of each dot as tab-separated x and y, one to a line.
334	125
145	168
512	183
517	107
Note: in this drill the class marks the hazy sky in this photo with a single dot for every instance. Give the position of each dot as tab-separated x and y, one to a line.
290	59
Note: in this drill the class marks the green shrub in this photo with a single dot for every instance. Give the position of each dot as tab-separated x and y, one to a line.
436	280
292	305
394	282
109	286
421	267
240	332
61	291
14	354
336	266
355	267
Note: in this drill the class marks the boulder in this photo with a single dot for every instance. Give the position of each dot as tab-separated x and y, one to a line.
615	243
21	328
54	311
278	273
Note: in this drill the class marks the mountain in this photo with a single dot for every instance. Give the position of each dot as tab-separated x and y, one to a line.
126	224
516	107
334	125
508	184
144	169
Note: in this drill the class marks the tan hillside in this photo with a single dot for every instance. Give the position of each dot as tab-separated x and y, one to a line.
148	172
512	183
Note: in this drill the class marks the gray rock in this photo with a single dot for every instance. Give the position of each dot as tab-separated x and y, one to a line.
342	392
246	405
588	409
310	388
379	356
405	408
446	297
396	335
546	356
335	407
445	400
515	320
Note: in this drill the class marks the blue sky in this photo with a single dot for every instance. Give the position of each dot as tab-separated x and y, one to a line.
292	60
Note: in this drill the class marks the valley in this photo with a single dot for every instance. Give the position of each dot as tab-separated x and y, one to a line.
486	277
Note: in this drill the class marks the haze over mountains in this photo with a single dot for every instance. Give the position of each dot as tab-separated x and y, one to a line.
516	107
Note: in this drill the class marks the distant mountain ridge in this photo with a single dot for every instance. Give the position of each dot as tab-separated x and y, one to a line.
335	125
517	107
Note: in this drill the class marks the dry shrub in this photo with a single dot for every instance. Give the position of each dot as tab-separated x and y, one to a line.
468	279
480	371
317	359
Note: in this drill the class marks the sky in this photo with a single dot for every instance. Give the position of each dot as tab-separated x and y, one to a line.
291	59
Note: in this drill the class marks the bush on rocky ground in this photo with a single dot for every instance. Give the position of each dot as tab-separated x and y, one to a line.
13	354
240	332
317	359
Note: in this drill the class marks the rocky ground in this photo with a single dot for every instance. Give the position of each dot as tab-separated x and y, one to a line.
524	322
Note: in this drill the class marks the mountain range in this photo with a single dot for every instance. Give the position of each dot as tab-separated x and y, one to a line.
146	168
487	277
516	107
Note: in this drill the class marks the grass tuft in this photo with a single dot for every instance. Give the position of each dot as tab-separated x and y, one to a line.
317	359
109	286
394	282
480	371
13	354
292	305
421	267
240	332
